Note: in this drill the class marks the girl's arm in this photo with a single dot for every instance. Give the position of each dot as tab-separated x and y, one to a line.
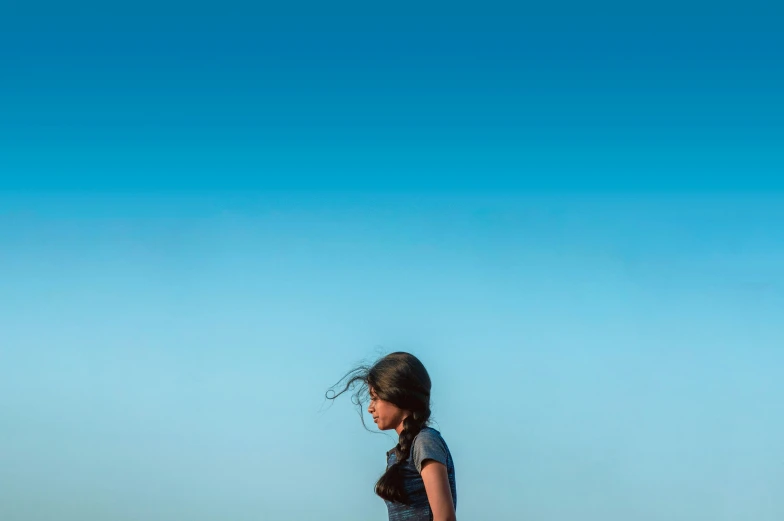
437	488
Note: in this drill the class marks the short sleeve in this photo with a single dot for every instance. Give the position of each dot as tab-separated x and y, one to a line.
428	445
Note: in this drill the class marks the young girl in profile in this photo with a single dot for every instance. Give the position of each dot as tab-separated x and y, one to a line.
419	482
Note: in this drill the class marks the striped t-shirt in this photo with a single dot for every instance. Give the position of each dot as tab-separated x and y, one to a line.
428	444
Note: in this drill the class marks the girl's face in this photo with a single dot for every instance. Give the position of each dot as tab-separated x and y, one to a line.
385	414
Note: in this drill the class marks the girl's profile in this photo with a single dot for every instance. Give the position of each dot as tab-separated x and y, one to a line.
419	481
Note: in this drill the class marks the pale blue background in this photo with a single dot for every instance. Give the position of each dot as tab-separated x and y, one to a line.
575	218
601	357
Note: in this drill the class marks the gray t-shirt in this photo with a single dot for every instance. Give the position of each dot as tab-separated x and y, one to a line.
428	444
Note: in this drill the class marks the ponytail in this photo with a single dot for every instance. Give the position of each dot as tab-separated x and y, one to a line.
390	485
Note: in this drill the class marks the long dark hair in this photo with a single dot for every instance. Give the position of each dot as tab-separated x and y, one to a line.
401	379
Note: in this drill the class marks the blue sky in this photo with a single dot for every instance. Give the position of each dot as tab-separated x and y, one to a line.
573	217
665	97
607	356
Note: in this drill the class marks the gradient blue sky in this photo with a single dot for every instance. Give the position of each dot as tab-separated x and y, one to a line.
380	97
574	216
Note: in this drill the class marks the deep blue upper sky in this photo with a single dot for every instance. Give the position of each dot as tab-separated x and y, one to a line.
570	97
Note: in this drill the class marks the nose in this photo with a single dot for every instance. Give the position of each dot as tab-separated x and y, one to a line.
370	408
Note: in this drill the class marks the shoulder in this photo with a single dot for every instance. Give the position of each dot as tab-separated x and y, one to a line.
428	435
429	444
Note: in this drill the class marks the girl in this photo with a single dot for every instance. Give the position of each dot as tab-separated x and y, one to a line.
419	482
